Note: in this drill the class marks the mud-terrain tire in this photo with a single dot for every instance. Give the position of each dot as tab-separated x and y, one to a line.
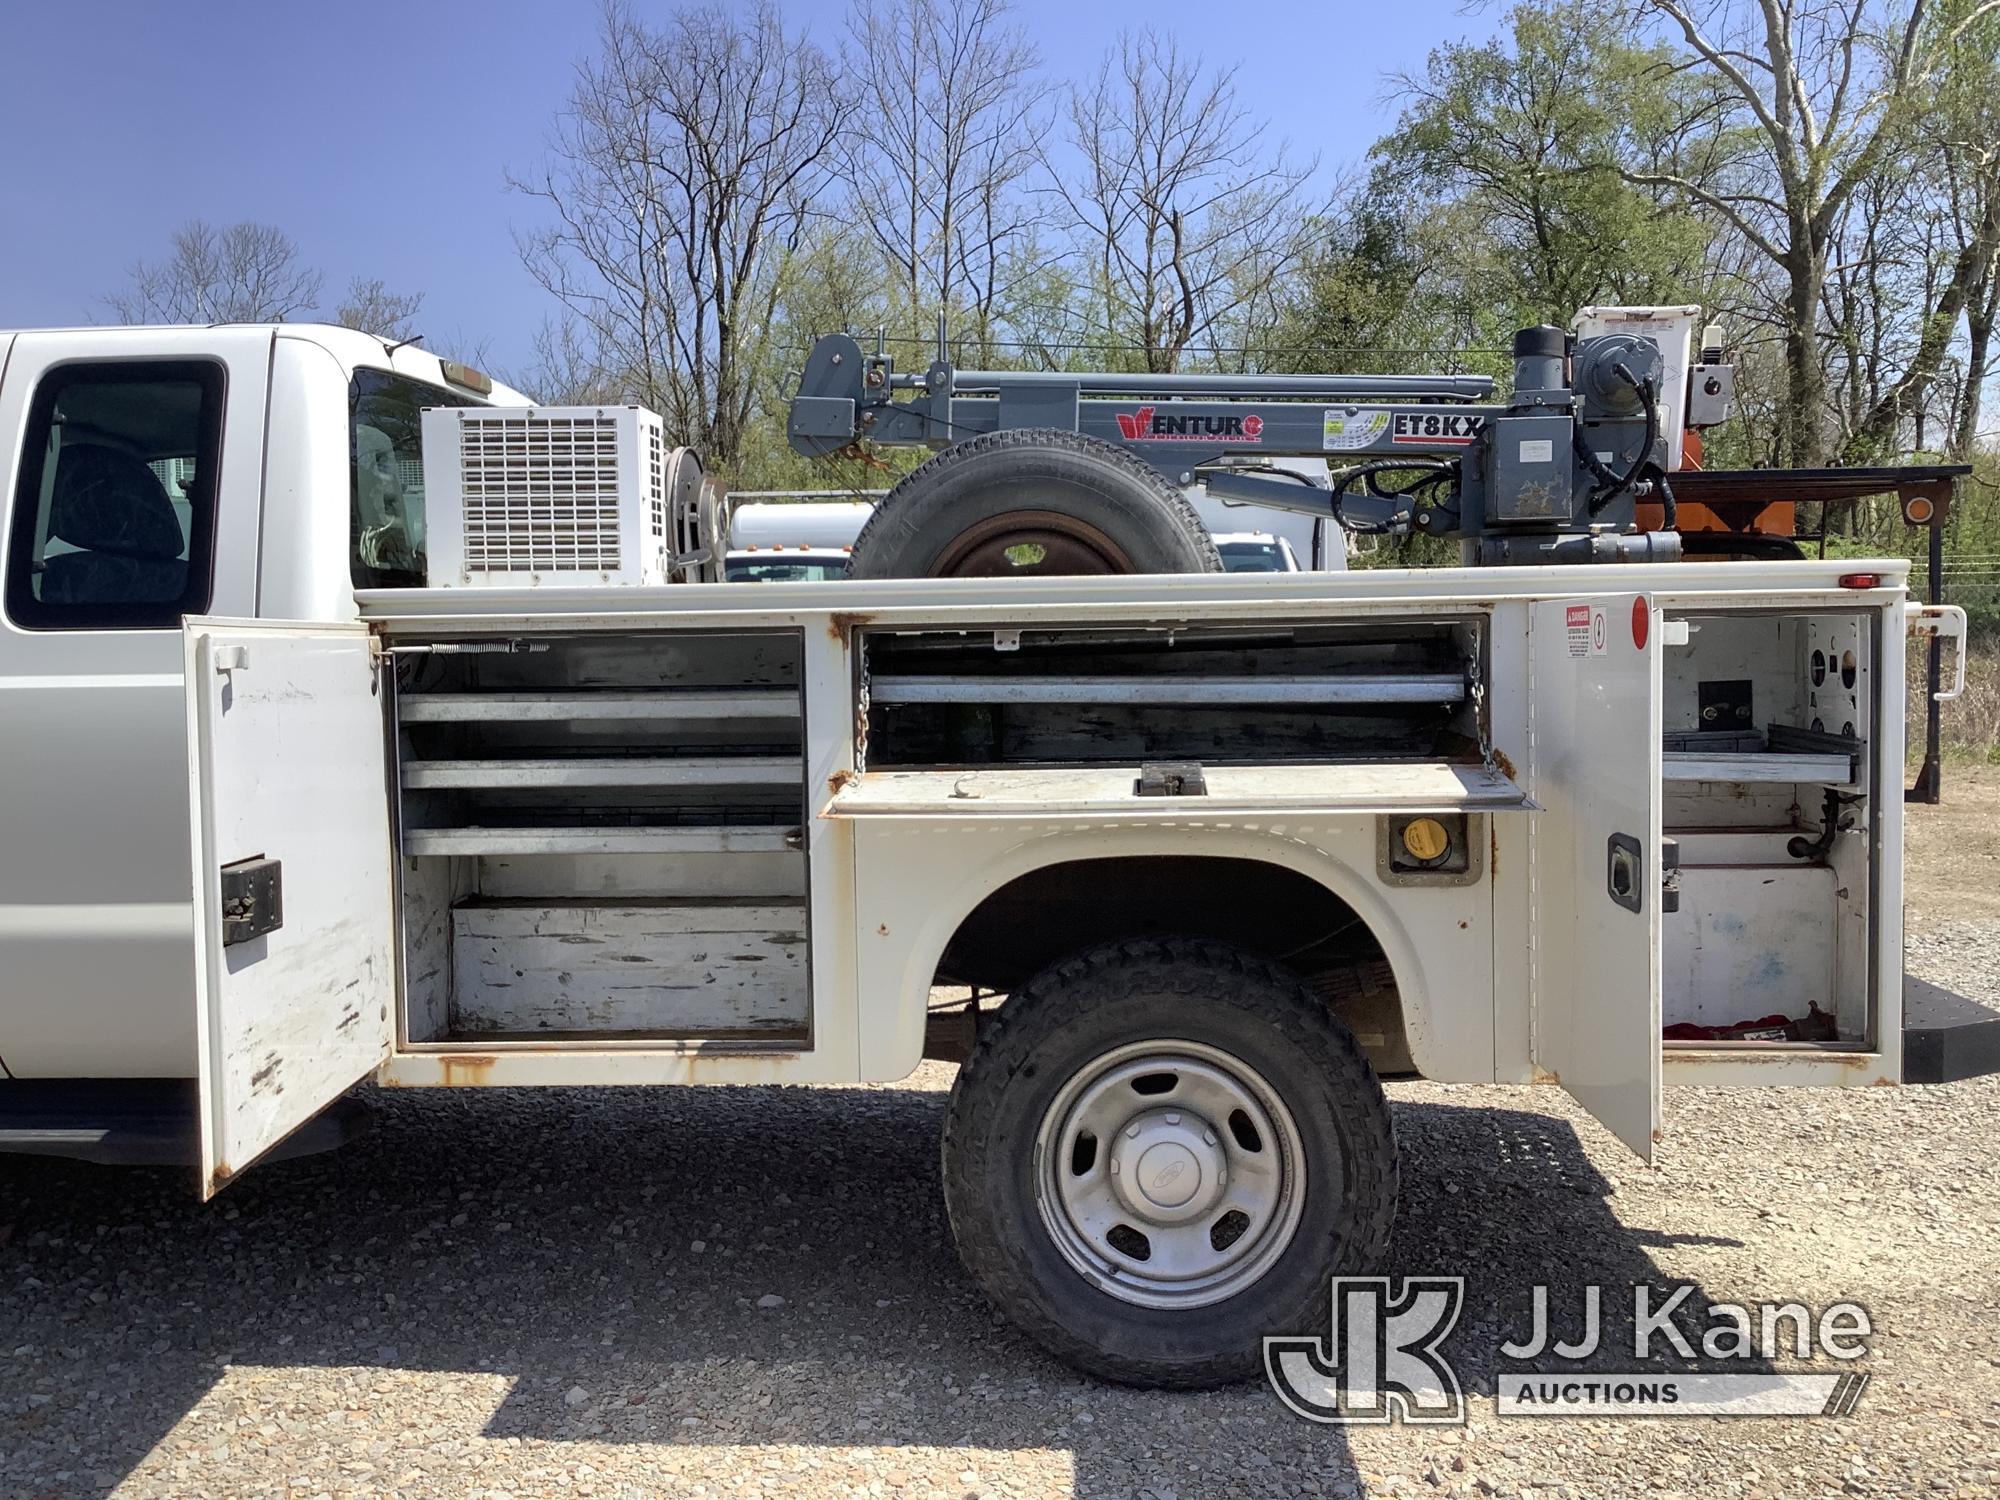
1149	1036
1032	501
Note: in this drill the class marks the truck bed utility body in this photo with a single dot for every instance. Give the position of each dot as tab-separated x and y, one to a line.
280	821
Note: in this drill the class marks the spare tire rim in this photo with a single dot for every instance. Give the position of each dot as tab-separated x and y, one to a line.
1029	542
1170	1174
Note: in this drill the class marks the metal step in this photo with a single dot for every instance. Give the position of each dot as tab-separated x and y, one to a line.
140	1122
1946	1037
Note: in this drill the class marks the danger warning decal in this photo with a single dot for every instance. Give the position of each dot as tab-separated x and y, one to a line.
1586	630
1149	424
1576	629
1435	429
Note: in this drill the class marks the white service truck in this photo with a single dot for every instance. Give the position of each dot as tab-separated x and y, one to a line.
282	814
793	536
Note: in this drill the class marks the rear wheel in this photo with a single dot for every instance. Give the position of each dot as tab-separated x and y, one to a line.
1032	501
1159	1152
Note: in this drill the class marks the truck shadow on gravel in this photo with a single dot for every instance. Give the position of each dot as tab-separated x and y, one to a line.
612	1256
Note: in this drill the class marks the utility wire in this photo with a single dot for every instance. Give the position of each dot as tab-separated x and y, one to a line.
1198	349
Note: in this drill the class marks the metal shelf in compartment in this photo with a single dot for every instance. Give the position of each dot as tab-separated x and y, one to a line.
730	838
626	706
1170	688
1758	766
1779	755
672	772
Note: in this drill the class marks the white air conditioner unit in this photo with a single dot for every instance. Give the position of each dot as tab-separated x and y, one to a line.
551	495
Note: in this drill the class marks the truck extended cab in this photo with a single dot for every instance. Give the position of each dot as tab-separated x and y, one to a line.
278	819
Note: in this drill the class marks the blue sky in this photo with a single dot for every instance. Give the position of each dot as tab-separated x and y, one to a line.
376	134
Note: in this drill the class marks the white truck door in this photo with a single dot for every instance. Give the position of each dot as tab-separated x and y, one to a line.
295	972
1594	853
94	929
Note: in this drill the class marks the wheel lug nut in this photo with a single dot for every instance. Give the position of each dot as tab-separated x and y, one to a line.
1132	1133
1208	1137
1173	1119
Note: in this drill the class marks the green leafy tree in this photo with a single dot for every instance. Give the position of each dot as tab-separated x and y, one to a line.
1518	142
1806	105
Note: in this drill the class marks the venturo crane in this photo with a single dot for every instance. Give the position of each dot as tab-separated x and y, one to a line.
1035	471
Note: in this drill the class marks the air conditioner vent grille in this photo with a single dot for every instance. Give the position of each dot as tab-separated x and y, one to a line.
656	482
540	492
550	496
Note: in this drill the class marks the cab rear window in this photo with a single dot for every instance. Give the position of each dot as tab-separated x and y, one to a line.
388	533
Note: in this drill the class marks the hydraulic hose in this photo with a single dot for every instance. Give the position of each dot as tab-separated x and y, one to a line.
1430	470
1669	508
1611	486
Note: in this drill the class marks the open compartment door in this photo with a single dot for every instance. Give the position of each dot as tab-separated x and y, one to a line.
1595	851
295	973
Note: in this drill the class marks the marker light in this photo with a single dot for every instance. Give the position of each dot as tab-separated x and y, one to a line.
466	376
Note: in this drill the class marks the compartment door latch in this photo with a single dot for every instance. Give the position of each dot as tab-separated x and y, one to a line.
1624	869
253	899
1171	778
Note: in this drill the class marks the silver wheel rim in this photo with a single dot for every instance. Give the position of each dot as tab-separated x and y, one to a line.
1170	1174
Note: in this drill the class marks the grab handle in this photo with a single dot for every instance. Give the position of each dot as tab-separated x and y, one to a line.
1944	621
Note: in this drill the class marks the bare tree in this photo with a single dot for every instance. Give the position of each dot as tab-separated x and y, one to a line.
371	307
1919	287
955	122
567	368
247	273
1982	311
1927	261
683	172
1873	258
1179	208
1961	120
1816	93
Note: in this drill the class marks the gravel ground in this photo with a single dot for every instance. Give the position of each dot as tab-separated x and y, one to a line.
740	1292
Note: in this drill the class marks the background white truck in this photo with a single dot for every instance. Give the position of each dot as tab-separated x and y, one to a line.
792	536
279	819
807	536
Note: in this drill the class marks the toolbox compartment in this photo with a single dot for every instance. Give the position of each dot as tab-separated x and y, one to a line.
1770	731
1271	693
602	839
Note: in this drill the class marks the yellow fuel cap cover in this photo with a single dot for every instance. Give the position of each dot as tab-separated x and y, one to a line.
1425	839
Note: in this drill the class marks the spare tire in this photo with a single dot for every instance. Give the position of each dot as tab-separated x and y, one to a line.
1032	500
